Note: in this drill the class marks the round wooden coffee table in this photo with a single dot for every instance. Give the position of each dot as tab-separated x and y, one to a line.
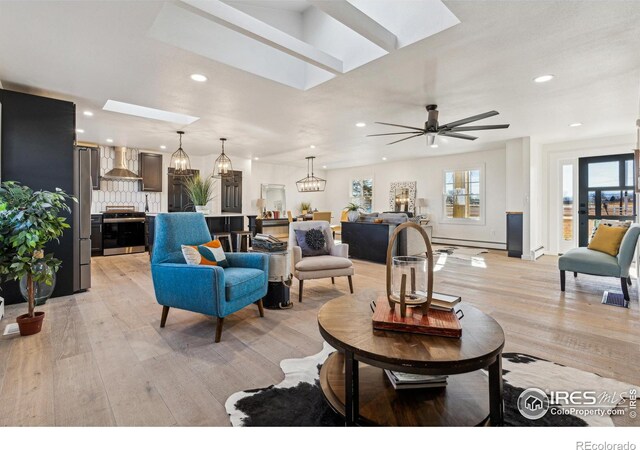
364	395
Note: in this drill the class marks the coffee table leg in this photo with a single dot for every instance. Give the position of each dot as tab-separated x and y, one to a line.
352	391
496	405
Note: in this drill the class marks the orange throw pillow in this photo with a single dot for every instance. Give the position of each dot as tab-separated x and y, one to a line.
607	240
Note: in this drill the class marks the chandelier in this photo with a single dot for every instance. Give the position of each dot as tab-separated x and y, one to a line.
180	160
311	183
222	167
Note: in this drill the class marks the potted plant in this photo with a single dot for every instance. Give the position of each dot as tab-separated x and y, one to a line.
353	211
200	192
28	220
305	207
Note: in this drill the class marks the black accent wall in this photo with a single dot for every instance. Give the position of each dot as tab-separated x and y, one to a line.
37	138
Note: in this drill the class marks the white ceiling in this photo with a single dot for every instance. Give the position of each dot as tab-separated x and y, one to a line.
90	52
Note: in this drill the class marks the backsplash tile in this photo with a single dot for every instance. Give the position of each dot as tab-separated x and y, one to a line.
121	192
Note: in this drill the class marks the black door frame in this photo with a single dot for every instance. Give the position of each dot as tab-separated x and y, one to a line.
583	192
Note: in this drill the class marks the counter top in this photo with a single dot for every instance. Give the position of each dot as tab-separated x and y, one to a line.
210	215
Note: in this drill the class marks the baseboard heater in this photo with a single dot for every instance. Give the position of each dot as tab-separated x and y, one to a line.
470	243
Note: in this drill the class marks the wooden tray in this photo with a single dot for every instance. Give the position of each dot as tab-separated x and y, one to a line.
436	323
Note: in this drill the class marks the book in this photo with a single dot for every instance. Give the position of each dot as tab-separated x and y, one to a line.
437	323
402	380
266	237
444	302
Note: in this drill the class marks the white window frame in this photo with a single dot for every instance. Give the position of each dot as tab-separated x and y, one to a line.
353	199
481	192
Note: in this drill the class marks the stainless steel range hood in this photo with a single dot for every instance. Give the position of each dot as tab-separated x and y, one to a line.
120	171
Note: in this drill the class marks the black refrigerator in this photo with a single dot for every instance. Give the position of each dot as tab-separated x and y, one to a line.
37	148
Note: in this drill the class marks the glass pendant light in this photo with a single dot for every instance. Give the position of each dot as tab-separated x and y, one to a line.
180	161
311	183
222	167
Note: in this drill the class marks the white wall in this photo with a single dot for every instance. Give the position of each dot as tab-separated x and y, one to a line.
429	175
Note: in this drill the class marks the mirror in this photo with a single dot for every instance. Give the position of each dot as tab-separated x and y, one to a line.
402	196
274	198
401	203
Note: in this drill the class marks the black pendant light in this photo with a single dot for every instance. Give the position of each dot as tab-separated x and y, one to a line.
311	183
180	161
222	167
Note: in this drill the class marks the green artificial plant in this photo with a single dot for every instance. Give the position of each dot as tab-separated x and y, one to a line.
28	220
200	190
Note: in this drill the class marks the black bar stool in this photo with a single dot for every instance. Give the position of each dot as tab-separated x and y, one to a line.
224	237
243	240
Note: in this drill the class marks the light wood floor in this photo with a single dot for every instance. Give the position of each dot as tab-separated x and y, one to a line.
102	359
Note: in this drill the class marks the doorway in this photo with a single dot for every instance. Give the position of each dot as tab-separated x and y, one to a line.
606	191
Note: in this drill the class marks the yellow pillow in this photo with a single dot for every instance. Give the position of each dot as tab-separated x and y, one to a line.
607	240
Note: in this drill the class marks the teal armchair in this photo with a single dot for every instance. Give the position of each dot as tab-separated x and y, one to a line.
592	262
209	290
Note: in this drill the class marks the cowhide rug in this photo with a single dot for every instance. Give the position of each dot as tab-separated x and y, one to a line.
298	401
464	253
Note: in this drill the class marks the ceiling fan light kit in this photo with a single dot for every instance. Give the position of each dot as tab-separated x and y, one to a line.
311	183
180	160
432	128
222	167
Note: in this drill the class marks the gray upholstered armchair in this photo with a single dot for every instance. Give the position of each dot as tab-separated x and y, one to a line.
592	262
335	264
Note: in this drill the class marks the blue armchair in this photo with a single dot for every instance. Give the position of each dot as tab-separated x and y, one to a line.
592	262
209	290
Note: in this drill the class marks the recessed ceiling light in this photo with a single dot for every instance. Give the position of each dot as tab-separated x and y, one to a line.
434	146
543	78
79	130
148	113
163	147
312	146
324	167
384	158
109	140
255	158
88	113
576	124
198	77
361	124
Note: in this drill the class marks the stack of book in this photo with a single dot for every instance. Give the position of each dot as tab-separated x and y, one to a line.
267	243
401	380
444	302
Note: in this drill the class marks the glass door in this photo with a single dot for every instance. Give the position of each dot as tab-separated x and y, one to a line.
606	185
568	212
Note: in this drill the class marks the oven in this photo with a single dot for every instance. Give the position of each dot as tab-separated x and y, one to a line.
123	231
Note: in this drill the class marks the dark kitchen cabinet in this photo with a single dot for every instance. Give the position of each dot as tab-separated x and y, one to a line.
95	168
178	200
96	234
231	190
150	170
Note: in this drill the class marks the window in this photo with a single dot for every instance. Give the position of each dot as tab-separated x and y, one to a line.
463	195
362	193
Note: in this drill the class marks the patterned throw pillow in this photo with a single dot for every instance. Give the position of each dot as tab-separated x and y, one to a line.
313	242
610	223
209	254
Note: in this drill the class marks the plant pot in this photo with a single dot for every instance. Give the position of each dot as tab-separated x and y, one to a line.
30	325
353	216
304	212
42	290
202	209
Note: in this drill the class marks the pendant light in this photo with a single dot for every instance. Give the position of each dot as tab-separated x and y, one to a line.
180	160
311	183
222	167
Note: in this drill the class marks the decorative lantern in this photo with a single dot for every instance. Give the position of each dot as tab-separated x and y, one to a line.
410	278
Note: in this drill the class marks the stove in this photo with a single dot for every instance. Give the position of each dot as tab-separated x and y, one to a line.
123	230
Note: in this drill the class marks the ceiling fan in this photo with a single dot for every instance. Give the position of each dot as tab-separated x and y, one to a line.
432	128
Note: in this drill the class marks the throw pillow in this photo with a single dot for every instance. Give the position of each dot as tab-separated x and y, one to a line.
610	223
313	242
209	254
607	239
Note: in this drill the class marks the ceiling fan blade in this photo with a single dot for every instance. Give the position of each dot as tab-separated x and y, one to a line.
401	132
404	139
481	127
402	126
459	136
470	119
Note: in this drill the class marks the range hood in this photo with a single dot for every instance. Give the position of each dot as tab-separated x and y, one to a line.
120	171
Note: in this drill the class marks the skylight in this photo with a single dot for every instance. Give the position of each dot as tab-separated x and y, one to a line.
148	113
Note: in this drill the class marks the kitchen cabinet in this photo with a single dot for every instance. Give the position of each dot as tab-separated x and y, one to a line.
231	190
96	234
176	193
150	170
95	168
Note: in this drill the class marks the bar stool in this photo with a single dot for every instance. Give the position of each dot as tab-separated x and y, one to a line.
243	240
224	235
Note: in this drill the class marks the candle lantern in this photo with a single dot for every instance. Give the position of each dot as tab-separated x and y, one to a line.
410	278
